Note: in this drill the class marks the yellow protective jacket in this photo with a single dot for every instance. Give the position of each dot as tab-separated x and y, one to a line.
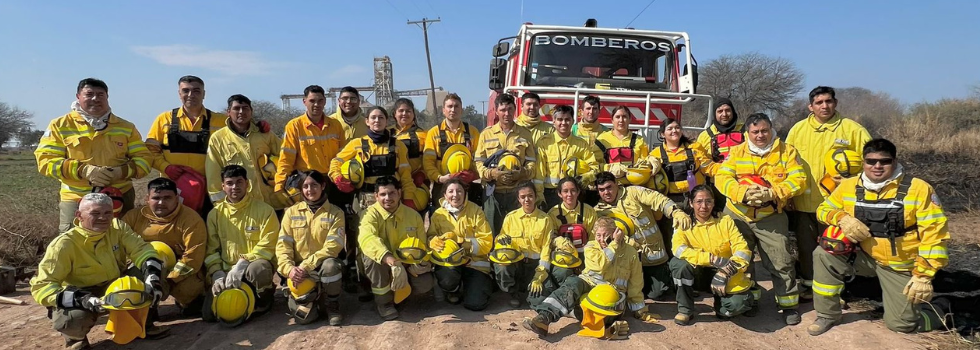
307	238
572	216
70	142
412	135
679	156
158	141
539	129
618	265
438	139
381	232
306	146
228	147
704	140
531	233
589	131
472	225
641	204
608	140
780	167
351	131
813	140
247	229
921	250
183	231
82	258
355	148
554	152
519	141
715	237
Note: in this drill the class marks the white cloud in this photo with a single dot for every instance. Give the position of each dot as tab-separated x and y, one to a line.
232	63
348	71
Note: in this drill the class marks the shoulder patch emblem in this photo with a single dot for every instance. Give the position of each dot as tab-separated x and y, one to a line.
935	200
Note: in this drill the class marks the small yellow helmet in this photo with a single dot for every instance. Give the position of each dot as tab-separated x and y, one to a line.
353	171
603	299
566	259
575	167
638	176
457	158
234	305
127	293
842	162
504	252
267	164
624	223
450	255
166	254
509	161
412	251
659	182
307	287
421	196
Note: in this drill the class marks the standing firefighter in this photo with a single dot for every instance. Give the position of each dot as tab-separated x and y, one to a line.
78	266
726	131
407	130
561	154
589	128
621	148
530	118
759	178
179	236
91	149
311	239
449	149
460	238
900	226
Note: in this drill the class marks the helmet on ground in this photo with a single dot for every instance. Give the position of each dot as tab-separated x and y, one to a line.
834	242
659	182
504	252
509	161
602	299
566	259
127	293
638	176
234	305
412	251
353	171
456	158
842	162
303	290
450	255
576	167
166	254
624	223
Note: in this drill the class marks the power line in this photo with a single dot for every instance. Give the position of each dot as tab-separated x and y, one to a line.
427	3
417	8
641	12
396	9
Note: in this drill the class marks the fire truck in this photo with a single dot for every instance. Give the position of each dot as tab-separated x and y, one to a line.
644	70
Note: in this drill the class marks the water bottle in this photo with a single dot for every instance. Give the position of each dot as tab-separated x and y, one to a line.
691	180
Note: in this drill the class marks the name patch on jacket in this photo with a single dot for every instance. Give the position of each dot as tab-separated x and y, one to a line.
842	142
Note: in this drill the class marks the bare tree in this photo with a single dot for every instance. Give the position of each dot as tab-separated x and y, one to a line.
12	121
275	115
754	82
874	110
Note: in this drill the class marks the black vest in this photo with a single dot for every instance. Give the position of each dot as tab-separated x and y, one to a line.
188	141
885	218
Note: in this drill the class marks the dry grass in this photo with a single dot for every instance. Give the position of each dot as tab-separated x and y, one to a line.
29	213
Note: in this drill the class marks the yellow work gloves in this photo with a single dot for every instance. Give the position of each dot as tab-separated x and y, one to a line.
618	169
399	279
759	194
919	289
655	163
619	330
564	244
681	220
646	316
588	179
537	283
437	244
854	229
96	175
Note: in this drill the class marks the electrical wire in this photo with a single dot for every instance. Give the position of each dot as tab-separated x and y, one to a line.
641	12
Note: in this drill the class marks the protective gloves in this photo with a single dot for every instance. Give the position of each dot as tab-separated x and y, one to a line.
718	283
120	173
646	316
437	244
97	176
619	330
681	220
264	126
718	262
655	163
507	178
219	282
399	279
617	169
537	282
565	244
234	278
919	289
854	229
588	179
765	195
74	298
155	287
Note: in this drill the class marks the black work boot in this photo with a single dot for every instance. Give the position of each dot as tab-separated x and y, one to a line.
332	306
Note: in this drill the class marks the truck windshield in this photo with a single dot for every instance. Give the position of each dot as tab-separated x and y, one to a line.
595	61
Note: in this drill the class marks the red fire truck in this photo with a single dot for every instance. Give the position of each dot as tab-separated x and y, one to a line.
644	70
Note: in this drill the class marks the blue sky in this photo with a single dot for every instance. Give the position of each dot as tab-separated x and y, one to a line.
914	50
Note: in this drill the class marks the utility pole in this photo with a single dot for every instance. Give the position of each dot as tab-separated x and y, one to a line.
425	33
484	107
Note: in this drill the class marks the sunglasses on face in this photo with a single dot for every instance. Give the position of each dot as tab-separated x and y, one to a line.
883	161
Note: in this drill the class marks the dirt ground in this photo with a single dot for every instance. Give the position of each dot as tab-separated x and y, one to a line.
425	324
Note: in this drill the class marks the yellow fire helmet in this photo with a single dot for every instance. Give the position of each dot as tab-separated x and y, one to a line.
842	162
566	259
267	164
638	176
504	252
603	299
165	253
412	251
127	293
624	223
302	290
450	255
457	158
421	195
509	161
575	167
658	182
353	171
234	305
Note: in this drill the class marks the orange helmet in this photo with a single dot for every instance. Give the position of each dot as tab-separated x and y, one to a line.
834	242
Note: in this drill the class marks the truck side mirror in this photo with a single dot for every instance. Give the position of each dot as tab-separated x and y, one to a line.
694	75
498	73
501	49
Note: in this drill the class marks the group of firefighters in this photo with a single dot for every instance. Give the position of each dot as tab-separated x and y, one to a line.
571	218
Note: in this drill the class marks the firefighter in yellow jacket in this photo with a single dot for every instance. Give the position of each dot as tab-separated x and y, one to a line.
242	143
452	131
899	223
573	217
759	178
713	247
349	113
638	205
589	128
184	233
79	264
309	143
725	132
465	275
385	226
91	148
407	130
683	162
529	231
242	235
621	148
311	239
530	118
609	261
562	154
823	130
